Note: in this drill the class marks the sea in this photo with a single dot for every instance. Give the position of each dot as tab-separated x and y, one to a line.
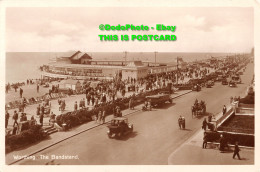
21	66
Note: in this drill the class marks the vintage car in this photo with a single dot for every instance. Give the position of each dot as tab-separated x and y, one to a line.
197	81
232	83
196	88
118	127
224	82
236	79
159	99
209	84
219	78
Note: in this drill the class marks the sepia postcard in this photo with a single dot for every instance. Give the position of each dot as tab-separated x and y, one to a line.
133	86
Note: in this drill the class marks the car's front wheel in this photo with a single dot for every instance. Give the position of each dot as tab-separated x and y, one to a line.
109	136
119	135
132	128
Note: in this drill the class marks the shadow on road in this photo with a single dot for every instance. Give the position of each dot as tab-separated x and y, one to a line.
130	135
201	116
227	151
22	147
165	106
186	129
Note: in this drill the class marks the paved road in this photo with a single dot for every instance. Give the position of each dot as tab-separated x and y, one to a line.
156	134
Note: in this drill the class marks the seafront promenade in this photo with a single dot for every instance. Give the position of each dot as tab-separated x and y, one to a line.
31	91
58	137
161	122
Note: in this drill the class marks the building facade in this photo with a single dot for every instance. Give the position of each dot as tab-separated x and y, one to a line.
80	66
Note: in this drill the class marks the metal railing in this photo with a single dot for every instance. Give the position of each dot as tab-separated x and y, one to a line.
236	130
221	119
245	111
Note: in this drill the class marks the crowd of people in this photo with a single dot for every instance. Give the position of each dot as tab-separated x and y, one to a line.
107	91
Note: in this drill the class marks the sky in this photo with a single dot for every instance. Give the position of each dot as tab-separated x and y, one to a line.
198	29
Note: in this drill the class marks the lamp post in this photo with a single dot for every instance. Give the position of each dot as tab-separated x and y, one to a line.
177	68
155	57
125	57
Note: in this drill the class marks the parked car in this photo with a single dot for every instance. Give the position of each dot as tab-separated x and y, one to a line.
209	84
236	79
232	84
159	99
224	82
119	127
219	78
196	88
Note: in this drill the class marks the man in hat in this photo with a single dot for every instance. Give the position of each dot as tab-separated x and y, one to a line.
221	143
183	122
41	119
236	151
205	141
6	118
130	103
224	109
204	124
75	106
21	92
38	109
15	118
180	121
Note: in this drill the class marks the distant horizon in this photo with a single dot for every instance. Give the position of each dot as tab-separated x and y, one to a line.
119	52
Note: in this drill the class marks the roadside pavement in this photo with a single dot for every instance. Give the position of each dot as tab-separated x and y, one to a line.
58	137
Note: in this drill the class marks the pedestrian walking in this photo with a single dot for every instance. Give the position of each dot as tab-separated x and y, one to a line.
236	151
98	117
38	88
75	106
192	111
183	123
83	103
15	118
52	119
6	118
123	93
103	116
180	122
205	141
103	98
204	124
42	109
92	100
221	143
96	101
224	110
130	103
80	104
88	98
41	119
21	92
